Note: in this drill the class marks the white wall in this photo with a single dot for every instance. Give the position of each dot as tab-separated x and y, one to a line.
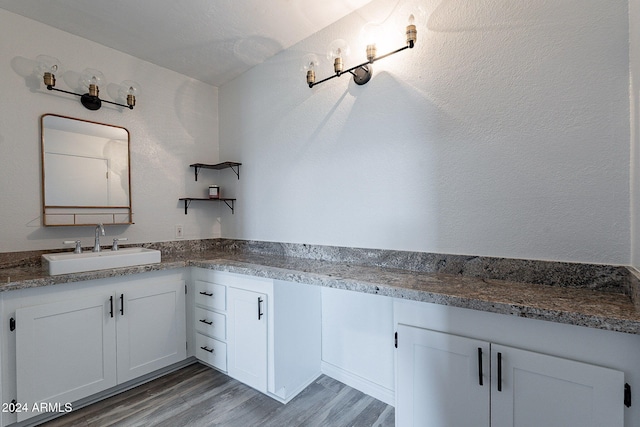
174	124
634	10
505	132
357	330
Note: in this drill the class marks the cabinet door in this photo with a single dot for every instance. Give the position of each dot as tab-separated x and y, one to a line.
442	380
151	328
247	337
540	390
65	351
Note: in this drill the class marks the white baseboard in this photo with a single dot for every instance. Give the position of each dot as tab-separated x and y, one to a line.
294	392
355	381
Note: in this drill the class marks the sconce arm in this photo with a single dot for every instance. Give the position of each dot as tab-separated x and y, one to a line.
362	72
49	87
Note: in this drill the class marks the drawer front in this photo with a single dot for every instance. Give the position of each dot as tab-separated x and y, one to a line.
211	351
211	323
211	295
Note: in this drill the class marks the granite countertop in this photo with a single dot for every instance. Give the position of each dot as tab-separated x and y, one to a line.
575	306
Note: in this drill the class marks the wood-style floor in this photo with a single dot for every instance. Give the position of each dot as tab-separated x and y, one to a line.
200	396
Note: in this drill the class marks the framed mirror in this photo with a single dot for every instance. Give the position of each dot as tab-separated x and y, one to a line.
85	172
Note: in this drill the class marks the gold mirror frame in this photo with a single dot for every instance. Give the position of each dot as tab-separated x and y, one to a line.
78	210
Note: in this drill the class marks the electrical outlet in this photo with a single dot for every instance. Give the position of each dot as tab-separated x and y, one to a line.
179	232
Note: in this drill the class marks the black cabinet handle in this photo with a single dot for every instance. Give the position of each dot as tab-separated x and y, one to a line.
480	375
260	313
207	322
499	371
210	350
111	306
122	304
206	293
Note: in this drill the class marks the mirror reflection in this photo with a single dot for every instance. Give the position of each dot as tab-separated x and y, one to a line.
85	168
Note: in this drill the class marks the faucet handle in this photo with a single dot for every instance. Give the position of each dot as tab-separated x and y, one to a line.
78	249
115	242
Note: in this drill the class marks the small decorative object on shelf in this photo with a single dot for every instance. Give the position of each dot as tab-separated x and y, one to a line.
214	192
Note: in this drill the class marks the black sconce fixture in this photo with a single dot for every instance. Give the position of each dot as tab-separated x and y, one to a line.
90	79
361	73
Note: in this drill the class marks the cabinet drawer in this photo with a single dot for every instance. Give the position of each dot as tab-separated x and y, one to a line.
211	323
211	351
211	295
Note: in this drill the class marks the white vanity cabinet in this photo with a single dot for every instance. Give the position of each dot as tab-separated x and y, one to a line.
272	336
459	367
64	351
247	353
533	389
150	328
210	318
448	380
74	340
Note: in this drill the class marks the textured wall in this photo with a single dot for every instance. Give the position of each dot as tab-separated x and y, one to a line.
174	124
505	132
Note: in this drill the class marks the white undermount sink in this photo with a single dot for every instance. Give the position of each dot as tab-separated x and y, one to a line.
68	262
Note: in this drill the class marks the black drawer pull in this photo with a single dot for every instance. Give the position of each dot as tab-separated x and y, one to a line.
210	350
111	304
480	375
206	293
122	304
499	371
207	322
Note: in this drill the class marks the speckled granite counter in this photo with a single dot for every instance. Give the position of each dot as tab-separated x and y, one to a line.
602	300
583	307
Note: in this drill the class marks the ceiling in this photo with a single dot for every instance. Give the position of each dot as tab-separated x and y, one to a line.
213	41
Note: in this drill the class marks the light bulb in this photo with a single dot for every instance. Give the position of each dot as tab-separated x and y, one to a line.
408	18
128	91
309	64
412	33
92	79
48	67
370	35
336	52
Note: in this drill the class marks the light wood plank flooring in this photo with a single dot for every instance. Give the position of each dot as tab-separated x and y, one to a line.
199	396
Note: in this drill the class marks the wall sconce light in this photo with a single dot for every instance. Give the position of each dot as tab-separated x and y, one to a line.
90	79
361	73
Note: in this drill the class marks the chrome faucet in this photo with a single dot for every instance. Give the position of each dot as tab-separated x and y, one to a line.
115	243
78	244
99	231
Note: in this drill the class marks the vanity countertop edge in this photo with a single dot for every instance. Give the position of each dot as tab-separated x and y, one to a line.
574	306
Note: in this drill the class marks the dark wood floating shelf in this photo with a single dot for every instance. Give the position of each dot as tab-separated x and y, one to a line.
234	166
229	202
